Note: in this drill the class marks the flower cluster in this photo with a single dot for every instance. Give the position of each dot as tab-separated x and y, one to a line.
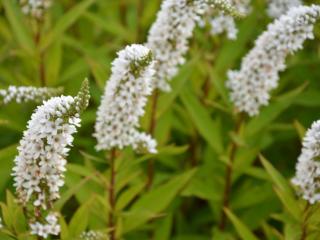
307	177
276	8
27	94
124	100
259	74
51	227
35	8
93	235
41	159
169	35
222	23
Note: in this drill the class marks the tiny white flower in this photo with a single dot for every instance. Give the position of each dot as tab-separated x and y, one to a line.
35	8
222	23
93	235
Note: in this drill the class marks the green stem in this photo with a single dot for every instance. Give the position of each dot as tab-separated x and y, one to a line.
228	176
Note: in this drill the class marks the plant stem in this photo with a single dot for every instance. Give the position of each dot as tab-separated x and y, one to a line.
41	67
139	23
153	124
152	127
112	194
304	227
123	11
228	176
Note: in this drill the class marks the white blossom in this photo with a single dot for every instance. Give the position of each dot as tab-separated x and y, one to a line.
40	163
93	235
51	227
222	23
169	35
276	8
1	226
35	8
22	94
124	100
307	177
259	73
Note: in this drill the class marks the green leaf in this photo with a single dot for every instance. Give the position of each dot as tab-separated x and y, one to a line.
276	177
270	113
126	197
243	231
53	62
163	231
283	189
65	22
18	26
79	221
208	128
145	208
300	129
177	84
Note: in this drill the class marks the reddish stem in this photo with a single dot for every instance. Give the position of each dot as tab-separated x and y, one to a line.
153	124
228	176
112	199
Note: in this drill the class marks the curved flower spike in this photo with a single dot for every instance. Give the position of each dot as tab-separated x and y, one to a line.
124	100
259	73
40	164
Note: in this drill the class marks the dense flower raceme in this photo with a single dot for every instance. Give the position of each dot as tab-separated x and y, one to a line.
221	23
35	8
307	177
124	100
41	160
169	35
259	74
93	235
27	94
276	8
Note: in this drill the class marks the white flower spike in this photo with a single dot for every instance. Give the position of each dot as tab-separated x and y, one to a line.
124	100
169	35
307	177
21	94
259	73
40	164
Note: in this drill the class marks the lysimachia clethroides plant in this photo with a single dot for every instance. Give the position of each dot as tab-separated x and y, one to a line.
41	161
122	105
250	86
